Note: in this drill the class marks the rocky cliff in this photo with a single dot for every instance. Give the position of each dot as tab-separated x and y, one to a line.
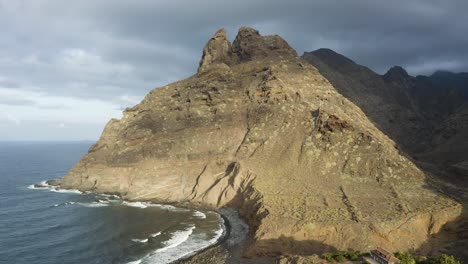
260	129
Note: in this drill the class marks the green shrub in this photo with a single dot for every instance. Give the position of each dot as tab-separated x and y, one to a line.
405	258
340	258
328	256
420	259
353	255
443	259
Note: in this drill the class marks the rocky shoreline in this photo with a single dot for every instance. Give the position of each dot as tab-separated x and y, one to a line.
229	248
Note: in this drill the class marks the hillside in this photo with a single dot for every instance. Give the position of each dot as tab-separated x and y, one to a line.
260	129
424	115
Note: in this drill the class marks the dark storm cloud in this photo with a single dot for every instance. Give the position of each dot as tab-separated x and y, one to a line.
116	51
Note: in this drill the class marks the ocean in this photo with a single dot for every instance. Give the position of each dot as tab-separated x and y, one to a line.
50	225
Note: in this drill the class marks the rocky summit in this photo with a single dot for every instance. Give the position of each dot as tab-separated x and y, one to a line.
260	129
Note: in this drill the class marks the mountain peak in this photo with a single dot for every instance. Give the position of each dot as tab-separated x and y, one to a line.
397	70
247	45
330	57
217	50
396	74
221	33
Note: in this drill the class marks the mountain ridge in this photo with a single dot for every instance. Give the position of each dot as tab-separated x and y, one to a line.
259	129
403	106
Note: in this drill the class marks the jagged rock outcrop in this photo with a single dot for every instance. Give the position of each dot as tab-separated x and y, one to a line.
260	129
217	50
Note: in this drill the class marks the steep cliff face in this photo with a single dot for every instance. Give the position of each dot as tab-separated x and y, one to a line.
260	129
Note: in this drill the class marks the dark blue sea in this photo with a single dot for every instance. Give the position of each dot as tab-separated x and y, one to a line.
51	225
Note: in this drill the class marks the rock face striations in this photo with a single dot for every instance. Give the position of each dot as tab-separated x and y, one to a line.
260	129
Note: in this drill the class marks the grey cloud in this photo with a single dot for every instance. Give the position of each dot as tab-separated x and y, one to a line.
16	101
157	42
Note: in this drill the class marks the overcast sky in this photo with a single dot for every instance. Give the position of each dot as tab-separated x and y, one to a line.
67	67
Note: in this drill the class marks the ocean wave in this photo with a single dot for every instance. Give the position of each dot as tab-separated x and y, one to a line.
40	186
140	240
59	190
177	238
134	262
168	207
218	233
94	204
141	205
199	214
64	204
43	185
155	234
182	244
113	196
144	205
144	240
105	201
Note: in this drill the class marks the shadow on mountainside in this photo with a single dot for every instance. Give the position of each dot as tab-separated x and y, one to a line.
426	116
452	239
288	246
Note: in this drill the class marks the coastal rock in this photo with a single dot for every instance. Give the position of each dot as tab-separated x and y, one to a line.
259	129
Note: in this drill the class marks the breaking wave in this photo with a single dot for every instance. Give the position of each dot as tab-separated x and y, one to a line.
171	246
199	214
43	185
177	238
140	240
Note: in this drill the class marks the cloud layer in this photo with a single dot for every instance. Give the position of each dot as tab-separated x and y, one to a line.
92	58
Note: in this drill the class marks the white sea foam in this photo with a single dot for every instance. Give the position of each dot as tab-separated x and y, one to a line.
166	206
182	244
177	238
218	234
155	234
75	191
134	262
43	185
94	204
40	186
140	240
64	204
199	214
146	239
136	204
144	205
113	196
